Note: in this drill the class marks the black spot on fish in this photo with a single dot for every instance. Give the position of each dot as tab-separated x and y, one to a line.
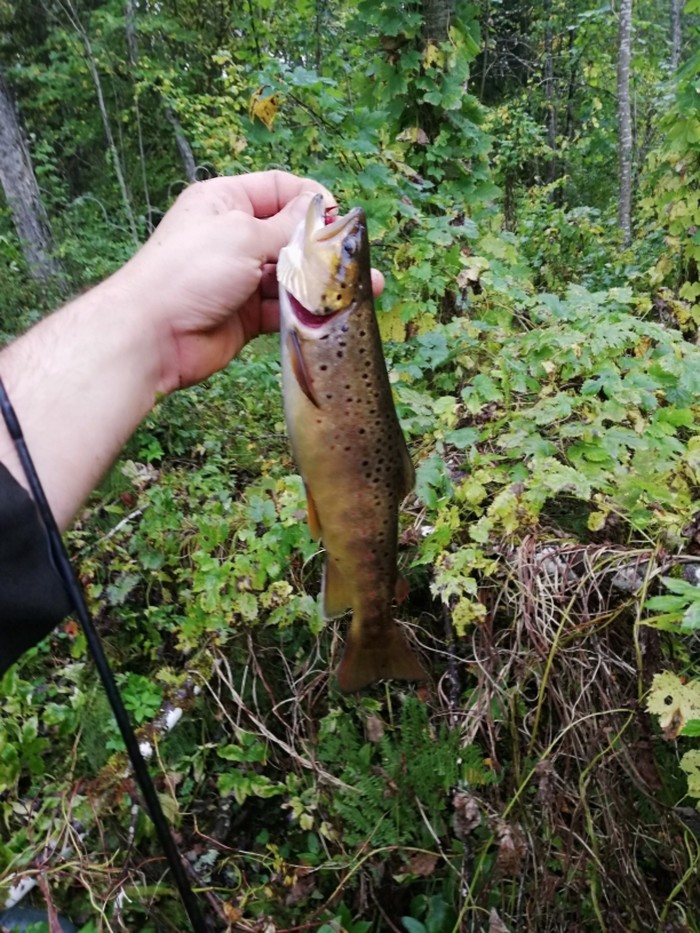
339	354
323	367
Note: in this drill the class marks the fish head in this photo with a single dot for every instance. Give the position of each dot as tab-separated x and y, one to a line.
325	267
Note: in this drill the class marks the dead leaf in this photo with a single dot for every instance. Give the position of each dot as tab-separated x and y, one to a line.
466	814
232	913
496	925
375	728
422	864
71	628
415	135
512	848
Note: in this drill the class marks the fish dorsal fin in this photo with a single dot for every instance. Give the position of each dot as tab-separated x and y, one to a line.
312	516
296	358
337	595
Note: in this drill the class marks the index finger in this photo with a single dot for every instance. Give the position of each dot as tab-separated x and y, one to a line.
268	192
260	194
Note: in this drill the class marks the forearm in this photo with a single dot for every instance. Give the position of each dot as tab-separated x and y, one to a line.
80	382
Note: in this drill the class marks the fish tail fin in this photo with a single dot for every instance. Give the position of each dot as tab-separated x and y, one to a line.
365	661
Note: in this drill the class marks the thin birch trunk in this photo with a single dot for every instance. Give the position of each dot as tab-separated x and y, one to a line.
550	102
133	51
183	144
22	192
116	161
625	120
676	32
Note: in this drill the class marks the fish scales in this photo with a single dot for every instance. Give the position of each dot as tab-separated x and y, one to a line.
346	439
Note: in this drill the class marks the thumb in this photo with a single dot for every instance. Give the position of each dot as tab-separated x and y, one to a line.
278	229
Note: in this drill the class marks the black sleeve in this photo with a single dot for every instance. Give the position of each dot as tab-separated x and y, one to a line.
32	597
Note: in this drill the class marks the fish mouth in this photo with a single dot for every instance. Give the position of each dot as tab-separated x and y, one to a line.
325	231
309	318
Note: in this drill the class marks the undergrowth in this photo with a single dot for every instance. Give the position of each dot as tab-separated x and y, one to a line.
557	467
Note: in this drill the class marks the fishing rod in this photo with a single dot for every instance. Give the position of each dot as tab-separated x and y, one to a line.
75	593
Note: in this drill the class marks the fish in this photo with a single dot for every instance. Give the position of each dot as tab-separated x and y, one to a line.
345	437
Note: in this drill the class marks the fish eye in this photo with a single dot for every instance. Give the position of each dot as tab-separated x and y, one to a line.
350	246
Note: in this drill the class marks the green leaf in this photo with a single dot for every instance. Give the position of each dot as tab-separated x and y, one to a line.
462	437
666	603
413	926
691	618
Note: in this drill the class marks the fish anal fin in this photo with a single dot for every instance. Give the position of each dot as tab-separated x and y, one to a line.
312	516
337	595
296	358
368	660
408	472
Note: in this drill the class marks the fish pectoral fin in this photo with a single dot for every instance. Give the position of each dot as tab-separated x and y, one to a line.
298	363
401	590
312	516
337	594
366	661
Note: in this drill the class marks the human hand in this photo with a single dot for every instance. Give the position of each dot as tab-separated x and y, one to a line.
206	279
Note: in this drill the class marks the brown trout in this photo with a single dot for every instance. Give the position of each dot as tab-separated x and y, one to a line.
345	436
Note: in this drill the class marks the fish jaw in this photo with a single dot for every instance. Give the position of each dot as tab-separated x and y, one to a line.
321	269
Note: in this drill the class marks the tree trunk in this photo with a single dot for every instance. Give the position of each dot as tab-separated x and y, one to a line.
436	19
183	144
133	50
22	192
111	146
625	120
549	100
676	32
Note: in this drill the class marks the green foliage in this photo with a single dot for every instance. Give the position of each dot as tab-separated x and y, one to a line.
384	782
672	196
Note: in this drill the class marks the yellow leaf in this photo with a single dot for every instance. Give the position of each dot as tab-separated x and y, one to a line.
264	108
433	55
690	763
673	702
466	613
596	521
391	327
